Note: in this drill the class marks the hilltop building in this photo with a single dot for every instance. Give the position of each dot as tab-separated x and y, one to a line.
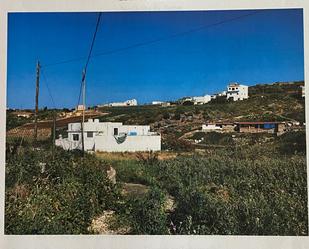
161	103
130	102
157	102
199	100
110	137
236	92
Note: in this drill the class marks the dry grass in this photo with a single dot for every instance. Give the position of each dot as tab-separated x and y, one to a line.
123	156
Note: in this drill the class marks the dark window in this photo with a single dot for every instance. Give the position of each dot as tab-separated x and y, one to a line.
89	134
75	137
115	131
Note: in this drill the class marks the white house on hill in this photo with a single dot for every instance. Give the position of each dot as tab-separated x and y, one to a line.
201	100
110	137
236	92
130	102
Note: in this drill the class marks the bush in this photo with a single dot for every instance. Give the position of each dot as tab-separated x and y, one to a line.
292	142
147	215
61	196
239	192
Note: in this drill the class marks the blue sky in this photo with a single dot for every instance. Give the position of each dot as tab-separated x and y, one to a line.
261	48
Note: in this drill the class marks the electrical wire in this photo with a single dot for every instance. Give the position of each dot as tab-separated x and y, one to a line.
117	50
48	89
89	56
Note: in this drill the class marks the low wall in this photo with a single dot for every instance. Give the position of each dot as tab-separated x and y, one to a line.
131	144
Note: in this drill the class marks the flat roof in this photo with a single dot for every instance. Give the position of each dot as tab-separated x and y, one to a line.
221	123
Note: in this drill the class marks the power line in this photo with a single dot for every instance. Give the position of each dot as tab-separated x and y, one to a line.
117	50
92	43
89	56
48	89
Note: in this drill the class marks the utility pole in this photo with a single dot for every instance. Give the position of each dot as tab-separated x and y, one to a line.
36	101
84	106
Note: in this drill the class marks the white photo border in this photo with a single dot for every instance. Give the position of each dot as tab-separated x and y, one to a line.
132	241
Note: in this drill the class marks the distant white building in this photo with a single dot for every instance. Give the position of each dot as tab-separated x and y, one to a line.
130	102
157	102
236	92
161	103
201	100
110	137
23	114
80	108
211	127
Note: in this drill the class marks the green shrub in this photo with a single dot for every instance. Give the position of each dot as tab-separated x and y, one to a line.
147	215
61	197
292	142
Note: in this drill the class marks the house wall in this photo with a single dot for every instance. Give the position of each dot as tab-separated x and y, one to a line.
131	144
279	128
252	129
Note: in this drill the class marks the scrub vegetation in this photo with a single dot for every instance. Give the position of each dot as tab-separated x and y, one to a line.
225	183
255	190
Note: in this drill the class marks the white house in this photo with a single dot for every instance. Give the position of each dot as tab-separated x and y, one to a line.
157	102
80	108
236	92
200	100
211	127
130	102
110	137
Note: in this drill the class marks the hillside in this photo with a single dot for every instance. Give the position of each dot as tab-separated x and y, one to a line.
268	102
227	184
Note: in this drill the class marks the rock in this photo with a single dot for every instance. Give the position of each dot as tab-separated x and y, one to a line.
111	174
103	224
